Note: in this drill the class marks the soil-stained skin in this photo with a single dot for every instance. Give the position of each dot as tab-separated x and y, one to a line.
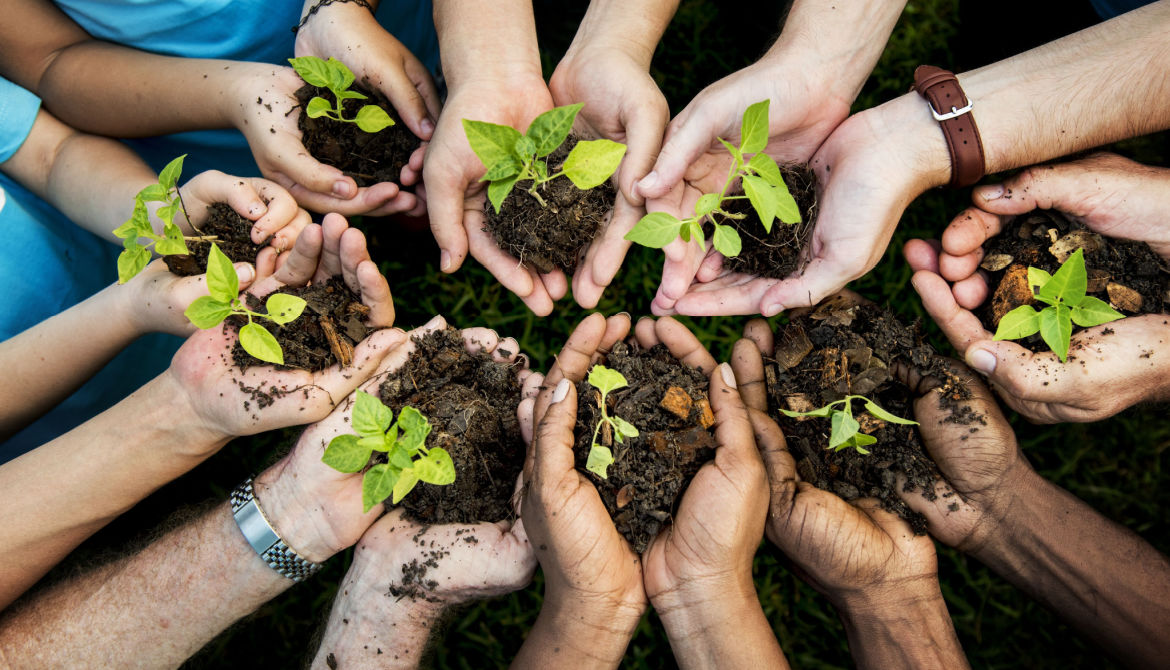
233	236
556	235
838	350
666	401
470	401
1124	273
776	254
333	323
368	158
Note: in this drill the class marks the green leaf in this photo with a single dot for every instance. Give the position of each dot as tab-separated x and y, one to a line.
378	484
1037	278
283	308
655	230
1056	329
129	230
405	484
820	411
525	148
844	427
370	416
734	151
414	427
222	282
600	458
696	230
491	142
859	441
707	203
169	177
509	167
876	410
400	458
623	428
726	241
1018	323
498	191
340	76
767	168
377	442
606	380
207	312
256	340
372	119
786	208
350	95
549	130
166	213
318	106
131	261
753	132
436	467
312	69
763	199
1094	312
155	193
592	162
344	454
1069	283
172	242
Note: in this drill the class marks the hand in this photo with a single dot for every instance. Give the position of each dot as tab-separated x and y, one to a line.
868	170
229	400
623	104
154	300
272	208
262	105
1109	367
456	197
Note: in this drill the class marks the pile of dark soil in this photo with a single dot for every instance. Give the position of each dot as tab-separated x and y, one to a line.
233	235
554	236
666	401
470	401
776	254
840	349
1128	275
334	321
368	158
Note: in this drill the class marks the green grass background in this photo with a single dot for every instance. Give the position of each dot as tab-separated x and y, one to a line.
1117	466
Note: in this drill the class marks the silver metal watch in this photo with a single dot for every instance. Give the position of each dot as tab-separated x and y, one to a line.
262	536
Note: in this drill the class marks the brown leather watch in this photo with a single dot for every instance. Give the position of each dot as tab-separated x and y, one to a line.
952	110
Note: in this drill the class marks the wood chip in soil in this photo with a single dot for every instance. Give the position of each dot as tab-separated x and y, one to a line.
233	235
776	254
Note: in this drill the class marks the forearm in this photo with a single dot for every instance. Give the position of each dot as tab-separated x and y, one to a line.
634	27
568	635
159	606
487	40
60	493
897	631
726	628
1105	580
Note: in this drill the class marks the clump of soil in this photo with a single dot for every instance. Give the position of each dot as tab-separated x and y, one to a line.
776	254
1126	274
233	235
415	584
666	400
368	158
556	235
840	349
470	401
334	321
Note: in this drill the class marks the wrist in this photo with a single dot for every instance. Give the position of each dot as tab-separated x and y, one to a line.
1007	521
699	605
600	628
190	433
903	631
908	130
509	53
294	513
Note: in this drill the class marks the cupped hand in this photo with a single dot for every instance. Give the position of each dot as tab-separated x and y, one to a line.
1109	368
156	299
456	197
272	209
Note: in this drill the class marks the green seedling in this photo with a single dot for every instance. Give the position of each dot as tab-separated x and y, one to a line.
136	255
408	460
335	76
606	381
846	431
511	158
763	186
1064	293
224	300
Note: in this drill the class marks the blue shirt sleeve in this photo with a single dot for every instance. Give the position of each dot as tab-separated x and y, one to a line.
18	109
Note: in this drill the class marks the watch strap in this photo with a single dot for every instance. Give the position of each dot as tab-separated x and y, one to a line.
952	109
264	539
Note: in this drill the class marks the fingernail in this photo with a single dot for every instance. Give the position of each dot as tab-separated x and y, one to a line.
649	181
993	192
914	282
728	375
982	360
435	322
341	189
445	260
244	272
773	309
427	126
561	391
256	208
625	314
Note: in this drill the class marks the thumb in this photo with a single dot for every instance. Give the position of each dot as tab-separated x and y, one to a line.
644	131
1044	187
1017	371
553	445
688	136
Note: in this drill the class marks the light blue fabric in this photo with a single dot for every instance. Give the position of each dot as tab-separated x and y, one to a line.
48	264
249	30
1108	9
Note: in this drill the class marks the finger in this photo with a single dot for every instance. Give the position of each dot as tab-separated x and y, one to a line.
480	339
682	260
368	200
645	333
605	254
683	344
526	414
778	462
736	453
748	366
553	443
243	198
970	292
298	268
922	255
688	136
375	293
265	263
515	276
408	102
758	331
1045	187
445	193
958	268
421	77
969	230
575	358
1020	373
819	279
402	202
506	351
645	127
333	227
711	267
294	162
351	252
742	294
555	283
280	211
959	325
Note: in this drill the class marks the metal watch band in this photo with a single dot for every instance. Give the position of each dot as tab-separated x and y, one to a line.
952	109
263	537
